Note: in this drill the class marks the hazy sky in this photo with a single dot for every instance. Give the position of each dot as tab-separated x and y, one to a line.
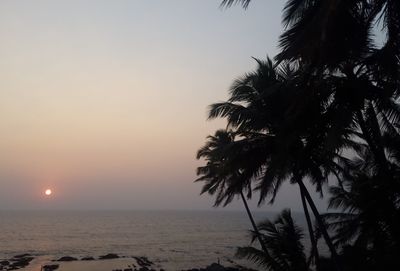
105	102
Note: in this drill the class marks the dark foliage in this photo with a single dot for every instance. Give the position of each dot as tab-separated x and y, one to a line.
284	243
327	111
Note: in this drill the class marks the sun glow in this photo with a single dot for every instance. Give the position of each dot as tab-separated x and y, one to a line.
48	192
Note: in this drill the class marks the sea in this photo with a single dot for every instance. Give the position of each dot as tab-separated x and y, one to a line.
171	239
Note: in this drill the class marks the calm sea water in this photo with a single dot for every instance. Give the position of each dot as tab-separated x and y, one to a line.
186	238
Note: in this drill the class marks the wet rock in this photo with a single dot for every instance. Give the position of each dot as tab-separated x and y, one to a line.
67	259
22	256
20	262
87	259
215	267
143	262
17	262
109	256
50	267
218	267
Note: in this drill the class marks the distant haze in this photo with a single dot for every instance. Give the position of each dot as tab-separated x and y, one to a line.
105	102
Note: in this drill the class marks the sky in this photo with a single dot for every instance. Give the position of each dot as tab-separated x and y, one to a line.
105	102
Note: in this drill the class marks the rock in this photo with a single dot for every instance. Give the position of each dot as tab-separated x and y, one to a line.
87	259
50	267
109	256
215	267
4	262
143	261
21	262
218	267
67	259
22	256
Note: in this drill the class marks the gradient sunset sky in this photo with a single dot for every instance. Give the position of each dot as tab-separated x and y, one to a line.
105	102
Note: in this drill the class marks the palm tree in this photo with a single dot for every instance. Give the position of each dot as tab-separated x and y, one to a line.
284	243
369	220
332	32
361	230
329	33
223	175
347	90
264	103
334	40
335	37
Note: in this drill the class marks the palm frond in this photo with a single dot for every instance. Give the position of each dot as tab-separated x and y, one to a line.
229	3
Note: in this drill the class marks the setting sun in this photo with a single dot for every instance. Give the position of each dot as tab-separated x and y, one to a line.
47	192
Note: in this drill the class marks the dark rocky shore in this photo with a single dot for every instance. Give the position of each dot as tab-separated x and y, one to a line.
16	262
138	263
218	267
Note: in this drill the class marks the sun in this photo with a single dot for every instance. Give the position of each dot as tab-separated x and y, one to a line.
48	192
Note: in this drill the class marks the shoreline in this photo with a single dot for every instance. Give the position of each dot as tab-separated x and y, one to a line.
107	262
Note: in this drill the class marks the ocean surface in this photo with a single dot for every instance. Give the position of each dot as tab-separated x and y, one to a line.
171	239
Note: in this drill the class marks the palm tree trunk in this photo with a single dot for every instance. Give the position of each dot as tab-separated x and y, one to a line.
314	248
321	225
253	223
379	154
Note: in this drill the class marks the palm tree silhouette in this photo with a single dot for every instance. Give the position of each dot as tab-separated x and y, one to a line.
369	218
222	173
260	111
328	33
342	94
284	244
